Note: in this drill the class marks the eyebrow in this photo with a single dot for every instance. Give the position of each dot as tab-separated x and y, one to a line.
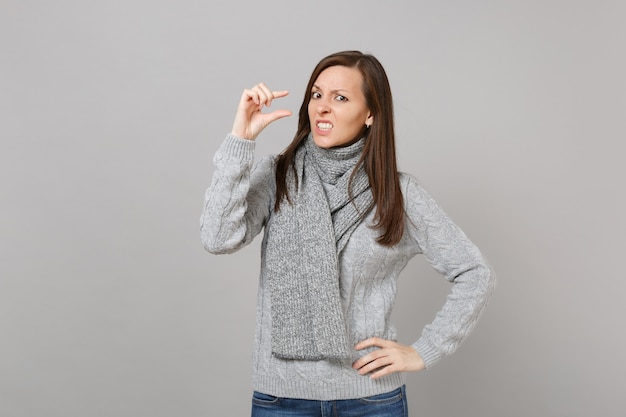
332	91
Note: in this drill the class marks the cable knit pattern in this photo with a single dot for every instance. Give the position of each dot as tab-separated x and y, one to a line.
239	203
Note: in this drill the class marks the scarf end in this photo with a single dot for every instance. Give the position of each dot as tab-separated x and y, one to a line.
313	356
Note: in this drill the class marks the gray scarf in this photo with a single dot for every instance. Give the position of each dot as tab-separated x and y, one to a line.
303	244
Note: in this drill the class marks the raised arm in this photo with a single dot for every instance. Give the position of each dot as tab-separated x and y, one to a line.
239	199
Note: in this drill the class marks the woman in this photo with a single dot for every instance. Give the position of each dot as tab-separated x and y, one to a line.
339	224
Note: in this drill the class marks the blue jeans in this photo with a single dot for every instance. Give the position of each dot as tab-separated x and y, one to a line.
391	404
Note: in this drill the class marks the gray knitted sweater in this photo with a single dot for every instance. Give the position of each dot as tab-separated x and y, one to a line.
237	205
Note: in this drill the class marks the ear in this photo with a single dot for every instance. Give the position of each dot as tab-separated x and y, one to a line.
369	120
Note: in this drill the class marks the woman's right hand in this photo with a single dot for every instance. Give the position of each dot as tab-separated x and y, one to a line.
249	120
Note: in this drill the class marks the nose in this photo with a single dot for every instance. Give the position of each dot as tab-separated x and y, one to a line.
322	108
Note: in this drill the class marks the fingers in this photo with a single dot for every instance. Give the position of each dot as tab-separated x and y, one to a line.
249	119
379	359
261	95
389	358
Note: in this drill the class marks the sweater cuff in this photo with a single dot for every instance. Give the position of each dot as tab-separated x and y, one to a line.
237	148
429	354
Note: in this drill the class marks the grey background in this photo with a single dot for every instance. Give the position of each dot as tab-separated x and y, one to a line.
511	113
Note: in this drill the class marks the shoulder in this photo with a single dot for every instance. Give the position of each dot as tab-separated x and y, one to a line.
412	188
419	204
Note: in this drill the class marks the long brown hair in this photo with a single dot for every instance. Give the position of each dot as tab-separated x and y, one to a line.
379	153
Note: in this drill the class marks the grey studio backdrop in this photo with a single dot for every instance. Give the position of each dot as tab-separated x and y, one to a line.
511	113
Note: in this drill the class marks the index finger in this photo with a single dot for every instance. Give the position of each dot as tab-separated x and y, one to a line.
265	95
276	94
280	93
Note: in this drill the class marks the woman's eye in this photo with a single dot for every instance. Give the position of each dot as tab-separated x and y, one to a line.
315	94
341	98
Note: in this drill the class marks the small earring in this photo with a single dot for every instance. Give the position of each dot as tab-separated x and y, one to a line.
367	126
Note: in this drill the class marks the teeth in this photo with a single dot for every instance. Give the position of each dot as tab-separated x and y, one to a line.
325	126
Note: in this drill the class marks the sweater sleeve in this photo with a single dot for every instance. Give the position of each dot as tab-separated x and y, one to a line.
237	203
452	254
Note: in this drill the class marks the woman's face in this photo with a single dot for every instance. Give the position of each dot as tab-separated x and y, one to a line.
337	110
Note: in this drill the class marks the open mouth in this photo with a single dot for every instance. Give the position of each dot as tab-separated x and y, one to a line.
324	126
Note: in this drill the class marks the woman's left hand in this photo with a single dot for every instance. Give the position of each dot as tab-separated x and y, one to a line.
389	358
